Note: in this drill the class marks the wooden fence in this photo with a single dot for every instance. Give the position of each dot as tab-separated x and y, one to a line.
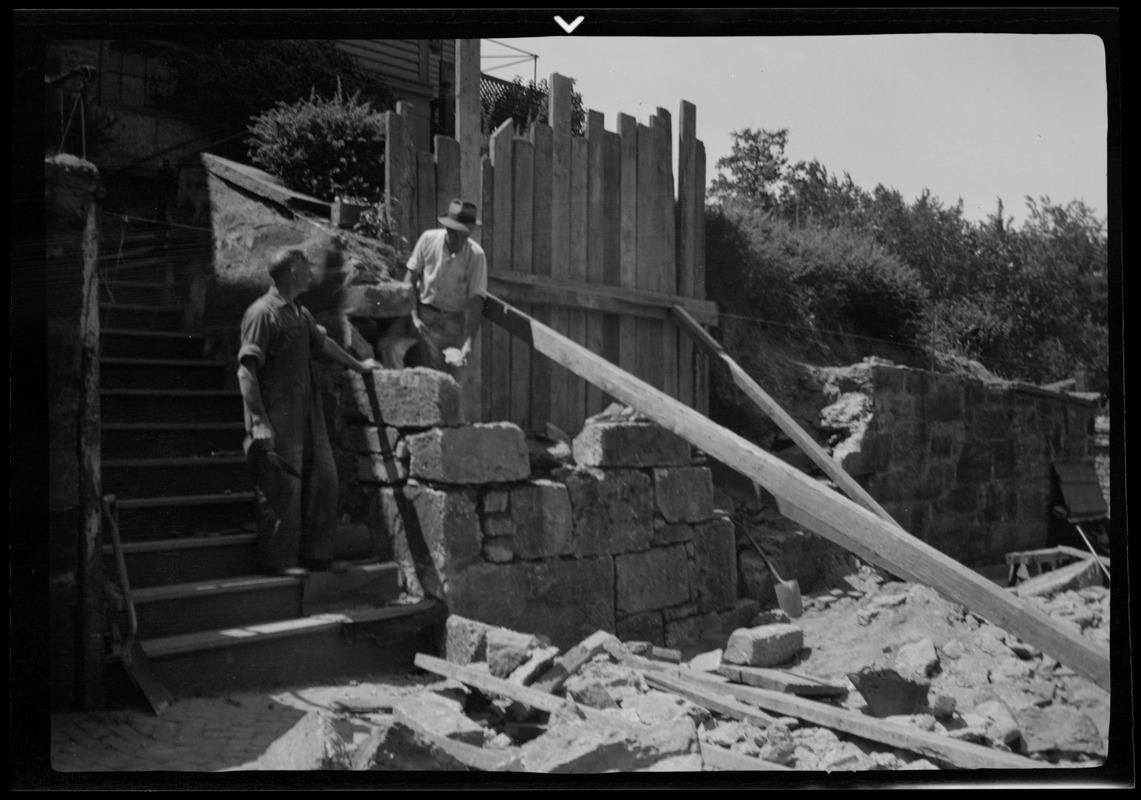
589	234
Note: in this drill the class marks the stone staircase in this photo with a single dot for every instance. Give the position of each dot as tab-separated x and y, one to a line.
171	457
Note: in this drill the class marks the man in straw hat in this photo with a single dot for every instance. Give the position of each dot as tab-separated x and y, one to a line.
449	274
295	477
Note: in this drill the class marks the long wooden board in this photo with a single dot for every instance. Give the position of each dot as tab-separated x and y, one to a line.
781	680
568	663
615	300
819	508
772	408
725	706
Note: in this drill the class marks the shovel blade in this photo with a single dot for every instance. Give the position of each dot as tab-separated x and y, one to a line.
788	598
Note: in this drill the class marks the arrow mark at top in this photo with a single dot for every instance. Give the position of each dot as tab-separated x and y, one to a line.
568	26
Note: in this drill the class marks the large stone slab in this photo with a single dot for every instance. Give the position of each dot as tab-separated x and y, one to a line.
714	566
474	454
465	640
613	511
565	600
542	519
764	645
629	444
311	744
651	579
507	649
405	398
437	535
439	717
1058	729
595	747
684	494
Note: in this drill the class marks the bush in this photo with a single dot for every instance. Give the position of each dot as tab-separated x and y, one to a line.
325	148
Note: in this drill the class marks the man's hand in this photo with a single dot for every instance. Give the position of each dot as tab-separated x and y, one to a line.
261	435
454	357
370	365
418	325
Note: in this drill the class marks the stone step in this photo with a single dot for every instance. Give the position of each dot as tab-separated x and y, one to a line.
134	315
170	405
358	643
145	519
162	373
134	292
122	440
235	602
170	477
126	343
228	555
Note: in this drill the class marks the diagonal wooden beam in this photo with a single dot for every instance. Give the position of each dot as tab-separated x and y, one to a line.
778	415
820	509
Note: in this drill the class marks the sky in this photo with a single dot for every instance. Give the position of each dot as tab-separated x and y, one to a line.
971	116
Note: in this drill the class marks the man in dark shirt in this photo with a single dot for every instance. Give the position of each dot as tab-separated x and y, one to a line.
295	476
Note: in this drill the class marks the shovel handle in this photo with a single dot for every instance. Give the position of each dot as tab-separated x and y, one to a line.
753	542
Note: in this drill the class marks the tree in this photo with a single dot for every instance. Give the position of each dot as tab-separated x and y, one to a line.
754	169
526	104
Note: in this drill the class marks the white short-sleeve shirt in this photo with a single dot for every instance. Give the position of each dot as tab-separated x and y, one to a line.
448	281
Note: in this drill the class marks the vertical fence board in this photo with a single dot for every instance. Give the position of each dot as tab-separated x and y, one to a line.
685	238
595	241
578	241
611	241
447	172
559	113
628	237
486	332
667	275
426	212
701	370
650	352
541	366
522	249
500	350
468	124
396	184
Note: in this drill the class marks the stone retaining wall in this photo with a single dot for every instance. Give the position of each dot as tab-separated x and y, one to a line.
961	463
624	540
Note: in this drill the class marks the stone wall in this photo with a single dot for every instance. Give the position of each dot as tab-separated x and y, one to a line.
961	463
624	539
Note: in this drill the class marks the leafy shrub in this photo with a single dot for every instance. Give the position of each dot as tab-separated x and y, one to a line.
524	104
324	148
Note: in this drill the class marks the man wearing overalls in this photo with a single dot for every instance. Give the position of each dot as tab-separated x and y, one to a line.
295	477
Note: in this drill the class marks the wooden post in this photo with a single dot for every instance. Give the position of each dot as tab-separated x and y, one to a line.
468	133
488	353
649	363
595	244
628	328
426	212
578	243
522	248
611	243
667	269
559	113
701	363
541	368
500	354
447	173
686	237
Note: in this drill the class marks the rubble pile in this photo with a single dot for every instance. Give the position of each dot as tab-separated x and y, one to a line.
884	675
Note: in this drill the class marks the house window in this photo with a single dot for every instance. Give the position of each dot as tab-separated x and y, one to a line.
134	74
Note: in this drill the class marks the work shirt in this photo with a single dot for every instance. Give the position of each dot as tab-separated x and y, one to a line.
447	282
284	338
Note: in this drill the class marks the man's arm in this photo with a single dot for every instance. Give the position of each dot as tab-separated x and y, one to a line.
338	354
261	432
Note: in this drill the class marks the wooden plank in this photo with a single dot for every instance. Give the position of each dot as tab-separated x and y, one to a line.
426	212
648	364
522	250
569	662
820	508
782	680
487	195
723	705
611	300
686	238
943	748
541	368
778	415
394	183
722	760
611	242
447	172
667	270
499	376
488	683
595	242
559	112
701	361
468	124
577	272
628	236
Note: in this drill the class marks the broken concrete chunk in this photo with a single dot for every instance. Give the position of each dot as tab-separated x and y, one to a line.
917	657
507	650
764	645
1001	727
406	398
493	452
465	640
622	444
595	747
1058	729
657	707
439	716
772	616
311	744
888	693
779	746
706	662
537	663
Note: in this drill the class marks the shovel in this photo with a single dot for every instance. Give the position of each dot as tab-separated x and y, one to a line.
787	592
